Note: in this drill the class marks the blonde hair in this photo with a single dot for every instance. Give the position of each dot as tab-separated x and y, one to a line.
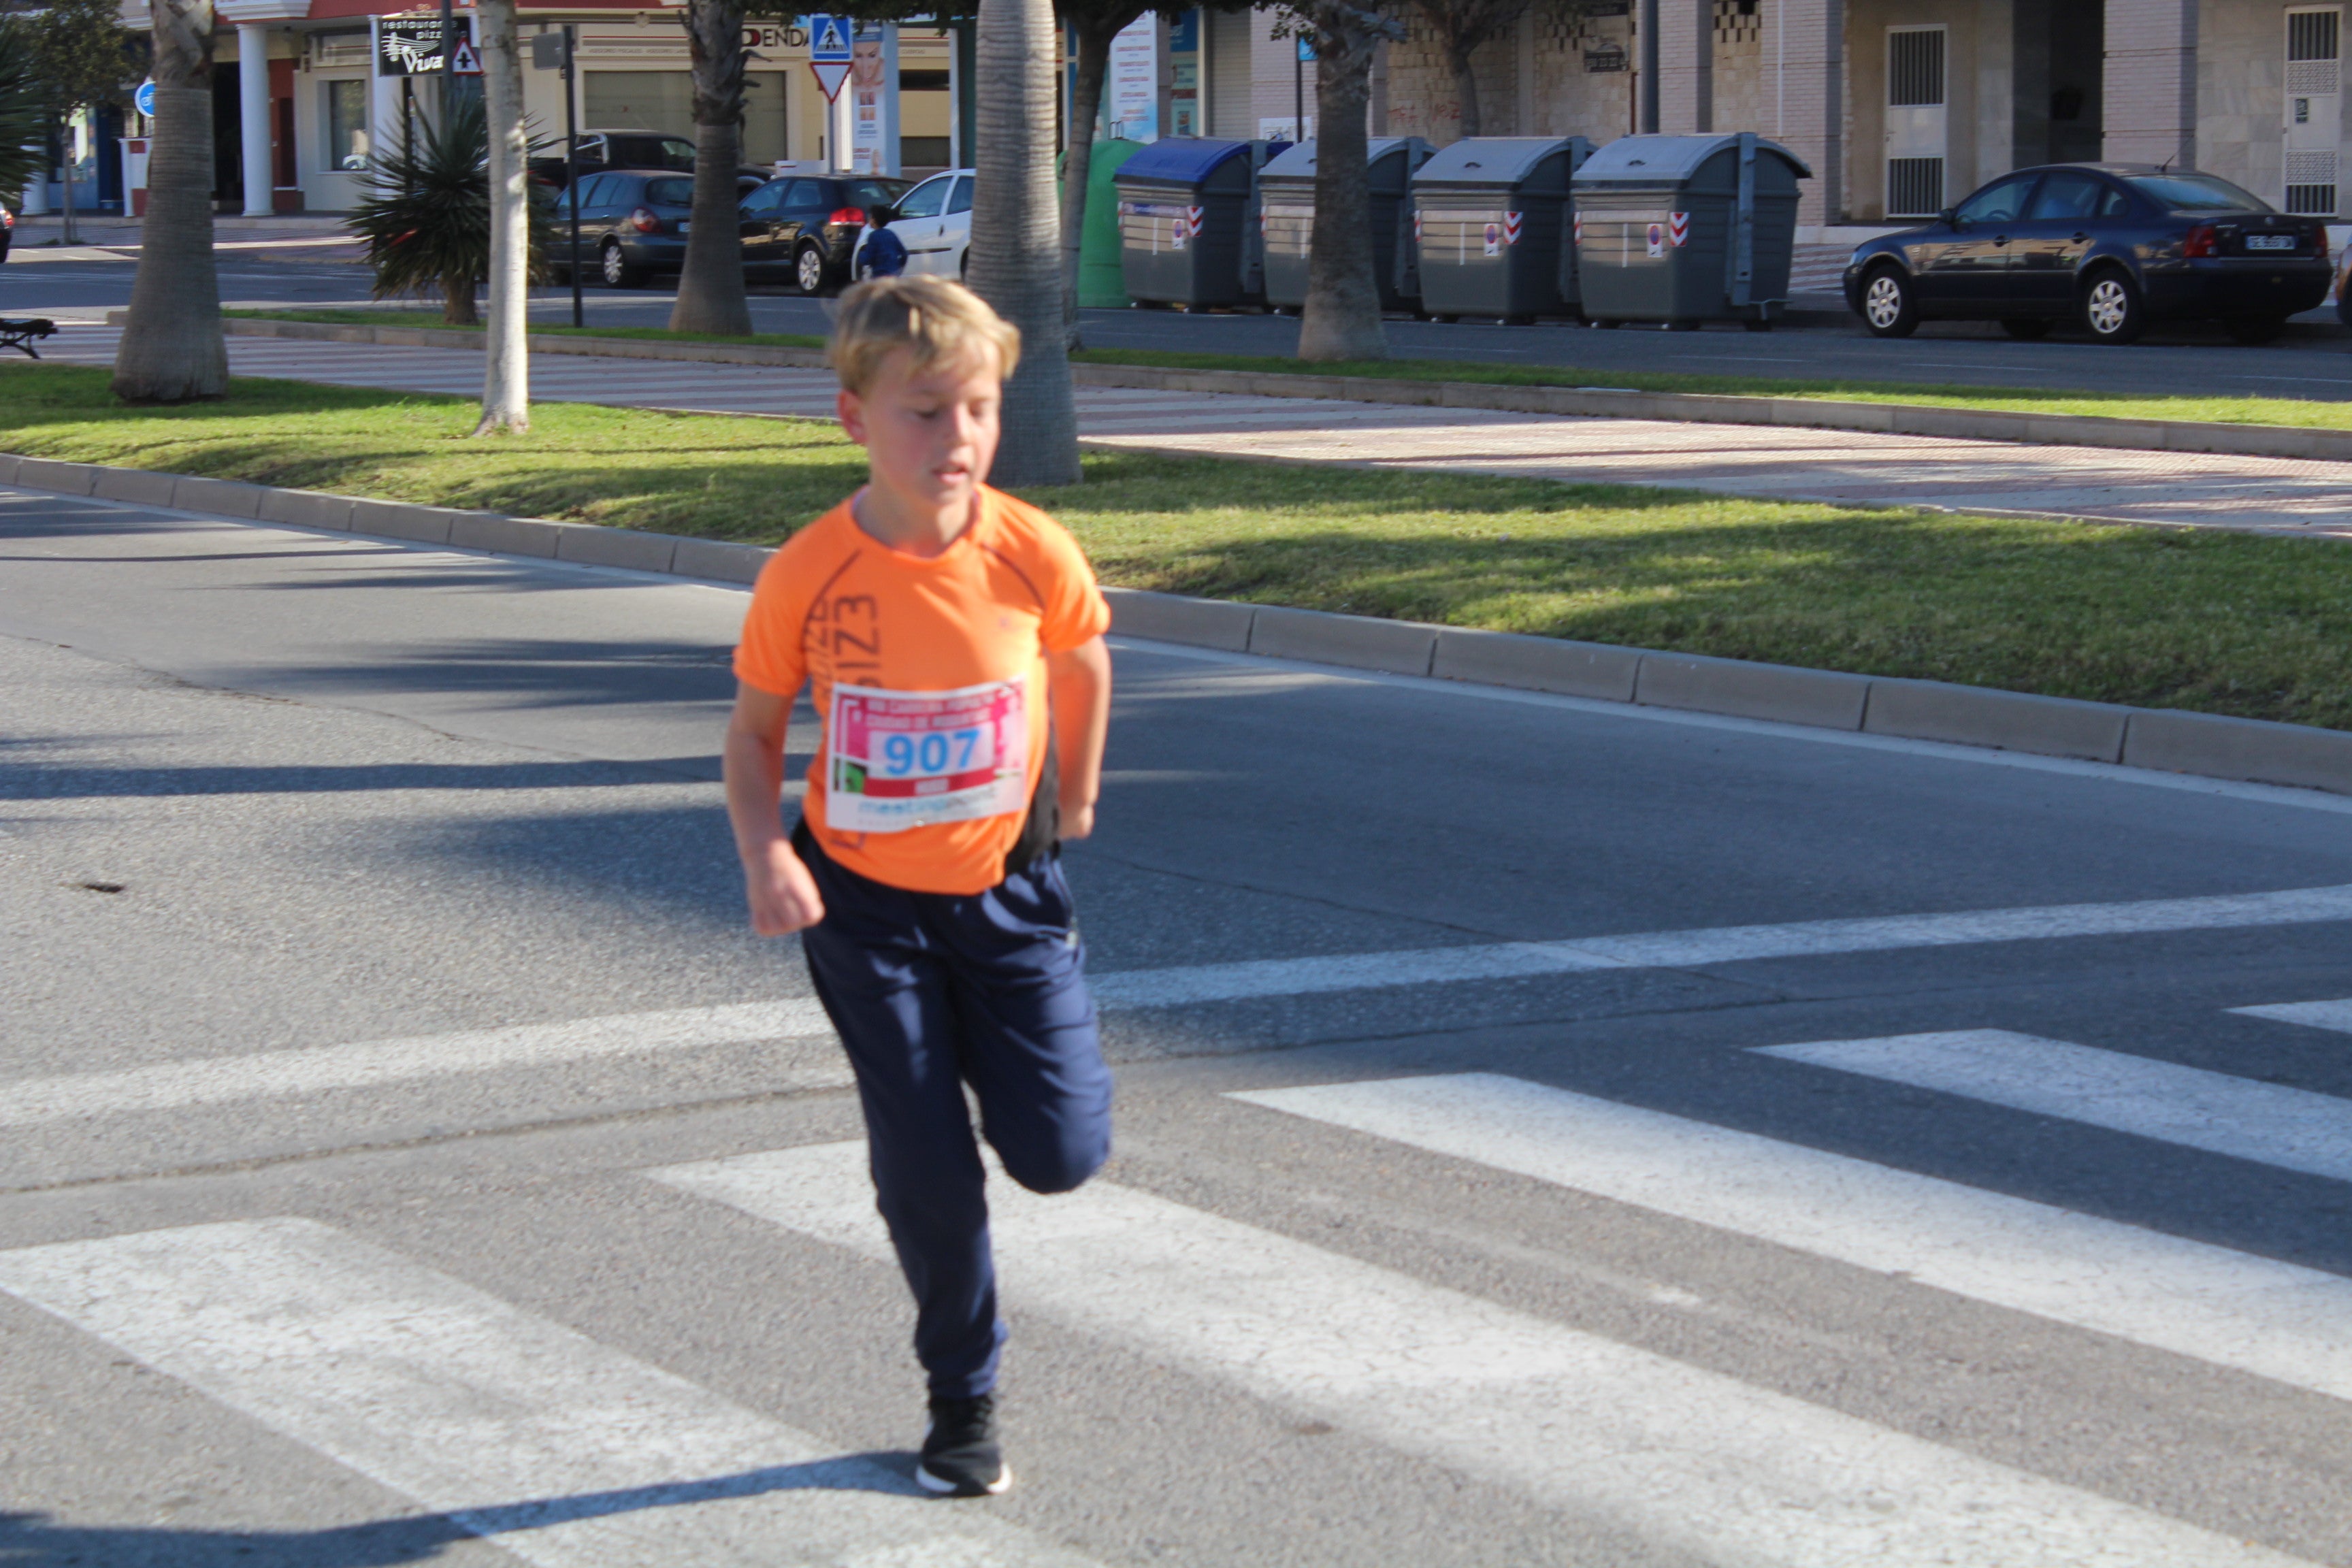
933	319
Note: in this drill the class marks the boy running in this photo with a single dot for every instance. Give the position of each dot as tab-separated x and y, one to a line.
951	640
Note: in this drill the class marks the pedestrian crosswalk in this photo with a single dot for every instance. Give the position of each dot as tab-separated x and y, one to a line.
567	1451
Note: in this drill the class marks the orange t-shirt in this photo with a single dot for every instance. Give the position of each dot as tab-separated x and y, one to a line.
929	676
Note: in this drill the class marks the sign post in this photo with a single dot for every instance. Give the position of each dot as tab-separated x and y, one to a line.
559	50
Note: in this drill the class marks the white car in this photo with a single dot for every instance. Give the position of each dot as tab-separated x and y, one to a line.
934	223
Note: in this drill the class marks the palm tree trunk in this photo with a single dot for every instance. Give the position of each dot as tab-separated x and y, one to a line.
506	378
1017	261
1342	319
710	281
171	348
1086	102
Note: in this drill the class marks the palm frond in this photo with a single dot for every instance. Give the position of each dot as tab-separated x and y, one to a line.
426	215
24	112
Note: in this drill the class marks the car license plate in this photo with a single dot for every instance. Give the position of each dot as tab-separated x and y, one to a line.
2270	242
682	229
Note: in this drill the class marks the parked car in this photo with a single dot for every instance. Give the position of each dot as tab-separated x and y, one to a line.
632	222
934	223
601	150
804	228
2112	247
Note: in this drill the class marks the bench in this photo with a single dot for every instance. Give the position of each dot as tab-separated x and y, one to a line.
18	332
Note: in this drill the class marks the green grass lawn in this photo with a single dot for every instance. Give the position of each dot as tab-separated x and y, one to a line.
2224	623
2309	414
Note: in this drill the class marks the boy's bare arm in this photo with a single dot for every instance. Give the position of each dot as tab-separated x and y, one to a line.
1081	698
782	894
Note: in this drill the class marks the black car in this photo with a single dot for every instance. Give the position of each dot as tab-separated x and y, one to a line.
632	222
601	150
2111	247
804	227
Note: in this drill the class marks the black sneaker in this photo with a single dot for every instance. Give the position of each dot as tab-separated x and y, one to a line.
961	1457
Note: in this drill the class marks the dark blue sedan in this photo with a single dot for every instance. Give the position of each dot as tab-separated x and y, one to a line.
2109	247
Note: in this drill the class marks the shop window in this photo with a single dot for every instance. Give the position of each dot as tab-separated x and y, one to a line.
346	119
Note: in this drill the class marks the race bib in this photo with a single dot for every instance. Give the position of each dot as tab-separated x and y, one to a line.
896	759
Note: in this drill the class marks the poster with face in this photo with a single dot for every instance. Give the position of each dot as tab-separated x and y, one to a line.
873	100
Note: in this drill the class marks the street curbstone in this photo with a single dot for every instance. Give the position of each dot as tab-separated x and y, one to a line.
505	535
231	498
1361	642
2214	747
1536	664
1813	412
135	487
1825	699
8	461
48	474
1982	716
1174	618
403	520
305	509
622	547
720	561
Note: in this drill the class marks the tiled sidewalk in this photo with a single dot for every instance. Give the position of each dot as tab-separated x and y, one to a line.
2286	495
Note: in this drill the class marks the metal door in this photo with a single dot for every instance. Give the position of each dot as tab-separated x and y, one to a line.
2314	107
1915	122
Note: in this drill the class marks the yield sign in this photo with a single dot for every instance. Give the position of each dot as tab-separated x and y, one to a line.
830	75
463	61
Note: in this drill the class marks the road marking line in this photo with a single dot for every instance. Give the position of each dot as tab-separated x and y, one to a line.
1729	945
2336	1016
2230	1309
566	1452
1689	1458
223	1080
2270	1124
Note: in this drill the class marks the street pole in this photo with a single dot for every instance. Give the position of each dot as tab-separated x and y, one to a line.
571	168
1649	22
449	56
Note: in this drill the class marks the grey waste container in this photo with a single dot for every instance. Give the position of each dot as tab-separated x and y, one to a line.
1188	222
1286	216
1490	217
1685	229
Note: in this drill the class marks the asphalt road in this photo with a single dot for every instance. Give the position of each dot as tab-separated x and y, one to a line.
2041	1259
2313	361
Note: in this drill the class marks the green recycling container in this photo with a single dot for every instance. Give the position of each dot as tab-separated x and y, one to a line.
1102	284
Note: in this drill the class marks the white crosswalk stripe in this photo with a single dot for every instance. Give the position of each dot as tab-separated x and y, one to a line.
226	1080
565	1451
1687	1458
2336	1016
2230	1308
2271	1124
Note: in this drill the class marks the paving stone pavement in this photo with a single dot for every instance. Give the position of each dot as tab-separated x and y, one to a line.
2266	494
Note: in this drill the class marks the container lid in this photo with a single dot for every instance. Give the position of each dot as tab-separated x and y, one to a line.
1298	163
1659	159
1183	160
1489	160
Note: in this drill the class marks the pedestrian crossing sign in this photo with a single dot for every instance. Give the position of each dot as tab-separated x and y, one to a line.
828	38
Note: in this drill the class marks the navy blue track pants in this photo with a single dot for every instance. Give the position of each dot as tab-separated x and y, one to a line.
931	992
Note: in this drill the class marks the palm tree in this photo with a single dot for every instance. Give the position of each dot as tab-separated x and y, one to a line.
1342	319
505	375
23	119
426	214
1017	263
171	348
710	284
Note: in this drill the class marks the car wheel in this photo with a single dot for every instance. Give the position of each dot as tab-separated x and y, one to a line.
2343	305
1890	308
2255	331
2112	311
614	267
2026	328
808	269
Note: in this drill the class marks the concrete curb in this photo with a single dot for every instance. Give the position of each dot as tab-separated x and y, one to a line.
1685	408
2164	740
